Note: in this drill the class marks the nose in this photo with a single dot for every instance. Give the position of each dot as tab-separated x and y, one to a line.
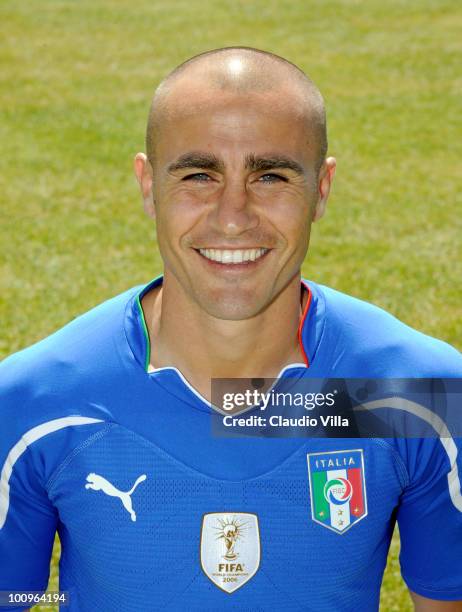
233	213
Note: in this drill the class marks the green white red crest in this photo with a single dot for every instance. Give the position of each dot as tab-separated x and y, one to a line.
337	488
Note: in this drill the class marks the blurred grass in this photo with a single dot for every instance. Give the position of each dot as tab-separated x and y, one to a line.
76	78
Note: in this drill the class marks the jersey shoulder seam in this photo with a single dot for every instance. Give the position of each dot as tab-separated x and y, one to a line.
83	445
402	469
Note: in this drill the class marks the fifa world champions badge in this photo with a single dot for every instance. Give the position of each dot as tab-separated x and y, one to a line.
230	548
337	488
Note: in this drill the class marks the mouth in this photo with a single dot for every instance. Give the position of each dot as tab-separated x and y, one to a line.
233	257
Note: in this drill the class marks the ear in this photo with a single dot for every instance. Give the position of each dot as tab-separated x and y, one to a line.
326	176
143	173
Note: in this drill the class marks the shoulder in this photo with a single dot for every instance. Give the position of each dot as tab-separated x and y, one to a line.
367	335
56	365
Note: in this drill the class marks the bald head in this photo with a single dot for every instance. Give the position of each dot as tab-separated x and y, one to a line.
234	72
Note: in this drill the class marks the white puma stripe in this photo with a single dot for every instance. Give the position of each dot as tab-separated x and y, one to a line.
399	403
20	447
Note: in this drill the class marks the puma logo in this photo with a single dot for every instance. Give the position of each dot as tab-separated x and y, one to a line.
98	483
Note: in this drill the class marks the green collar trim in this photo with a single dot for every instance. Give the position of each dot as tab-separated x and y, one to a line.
144	290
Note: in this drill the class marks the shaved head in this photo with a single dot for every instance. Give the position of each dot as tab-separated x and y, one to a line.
233	72
236	166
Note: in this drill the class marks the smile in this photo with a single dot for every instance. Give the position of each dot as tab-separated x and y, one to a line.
235	256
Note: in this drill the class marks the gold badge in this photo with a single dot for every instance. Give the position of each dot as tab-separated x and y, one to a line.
230	548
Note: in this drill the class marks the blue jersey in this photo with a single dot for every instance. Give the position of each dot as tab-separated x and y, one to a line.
155	513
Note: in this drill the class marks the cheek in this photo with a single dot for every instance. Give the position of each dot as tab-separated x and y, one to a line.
176	216
291	217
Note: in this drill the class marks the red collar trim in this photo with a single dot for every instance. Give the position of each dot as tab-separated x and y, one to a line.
302	322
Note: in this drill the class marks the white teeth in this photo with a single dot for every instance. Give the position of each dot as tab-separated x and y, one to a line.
226	257
235	256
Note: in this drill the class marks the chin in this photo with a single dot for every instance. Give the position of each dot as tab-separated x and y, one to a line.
231	309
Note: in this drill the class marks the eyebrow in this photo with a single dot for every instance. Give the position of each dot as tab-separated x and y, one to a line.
257	163
197	159
254	163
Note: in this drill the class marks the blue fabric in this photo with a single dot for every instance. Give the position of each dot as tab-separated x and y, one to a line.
154	424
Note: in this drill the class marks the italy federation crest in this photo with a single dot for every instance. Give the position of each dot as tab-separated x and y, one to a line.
337	488
230	548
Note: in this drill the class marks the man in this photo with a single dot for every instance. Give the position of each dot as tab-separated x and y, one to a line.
106	423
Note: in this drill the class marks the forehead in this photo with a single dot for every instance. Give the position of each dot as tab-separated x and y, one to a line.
230	123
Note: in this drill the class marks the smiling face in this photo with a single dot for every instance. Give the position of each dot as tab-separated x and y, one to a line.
236	189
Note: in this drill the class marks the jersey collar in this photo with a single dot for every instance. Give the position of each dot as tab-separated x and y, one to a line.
309	331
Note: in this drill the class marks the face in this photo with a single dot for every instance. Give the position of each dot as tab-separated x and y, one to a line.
235	192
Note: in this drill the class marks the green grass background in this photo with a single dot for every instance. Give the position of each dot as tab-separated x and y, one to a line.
76	80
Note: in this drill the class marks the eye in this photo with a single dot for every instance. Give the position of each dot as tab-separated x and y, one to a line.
272	178
201	177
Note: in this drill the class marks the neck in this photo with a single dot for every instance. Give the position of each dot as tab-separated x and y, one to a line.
254	347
